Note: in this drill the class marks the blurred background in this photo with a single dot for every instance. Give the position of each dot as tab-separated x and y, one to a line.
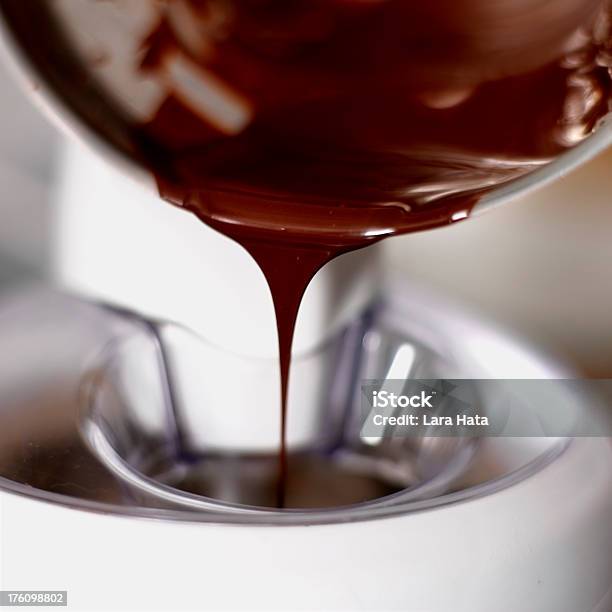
28	155
540	266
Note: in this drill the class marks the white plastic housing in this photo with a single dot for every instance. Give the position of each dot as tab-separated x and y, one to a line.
542	545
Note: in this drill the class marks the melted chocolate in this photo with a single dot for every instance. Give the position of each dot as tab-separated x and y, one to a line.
303	129
357	120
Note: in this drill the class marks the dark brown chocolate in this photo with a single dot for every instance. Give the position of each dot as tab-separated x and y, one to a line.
346	121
